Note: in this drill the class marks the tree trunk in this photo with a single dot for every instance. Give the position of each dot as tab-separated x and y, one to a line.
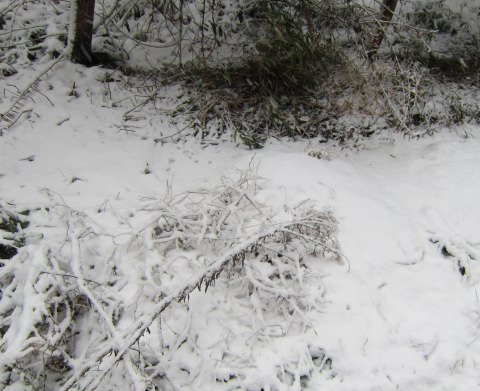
81	30
386	15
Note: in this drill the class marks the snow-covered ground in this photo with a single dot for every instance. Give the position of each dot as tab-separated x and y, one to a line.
399	310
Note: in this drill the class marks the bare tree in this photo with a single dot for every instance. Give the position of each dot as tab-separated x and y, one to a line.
386	15
81	30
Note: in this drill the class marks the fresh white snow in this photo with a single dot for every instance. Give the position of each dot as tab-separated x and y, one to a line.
394	314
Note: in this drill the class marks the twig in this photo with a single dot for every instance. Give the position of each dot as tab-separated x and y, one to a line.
12	122
14	106
70	276
395	112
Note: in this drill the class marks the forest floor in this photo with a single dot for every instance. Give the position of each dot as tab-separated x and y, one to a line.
397	310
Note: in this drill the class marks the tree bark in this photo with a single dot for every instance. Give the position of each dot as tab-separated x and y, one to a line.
386	15
81	30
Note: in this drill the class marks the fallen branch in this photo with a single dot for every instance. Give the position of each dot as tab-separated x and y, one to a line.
201	280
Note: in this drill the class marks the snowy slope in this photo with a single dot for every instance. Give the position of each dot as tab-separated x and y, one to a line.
403	315
400	312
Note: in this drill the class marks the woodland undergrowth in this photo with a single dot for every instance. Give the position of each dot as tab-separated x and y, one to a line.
252	70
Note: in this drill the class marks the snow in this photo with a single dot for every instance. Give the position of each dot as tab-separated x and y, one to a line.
394	313
402	312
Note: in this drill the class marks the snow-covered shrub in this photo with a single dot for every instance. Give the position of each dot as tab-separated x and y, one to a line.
31	31
440	34
210	285
463	110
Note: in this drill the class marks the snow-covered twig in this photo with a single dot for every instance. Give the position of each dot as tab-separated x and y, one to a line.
11	115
